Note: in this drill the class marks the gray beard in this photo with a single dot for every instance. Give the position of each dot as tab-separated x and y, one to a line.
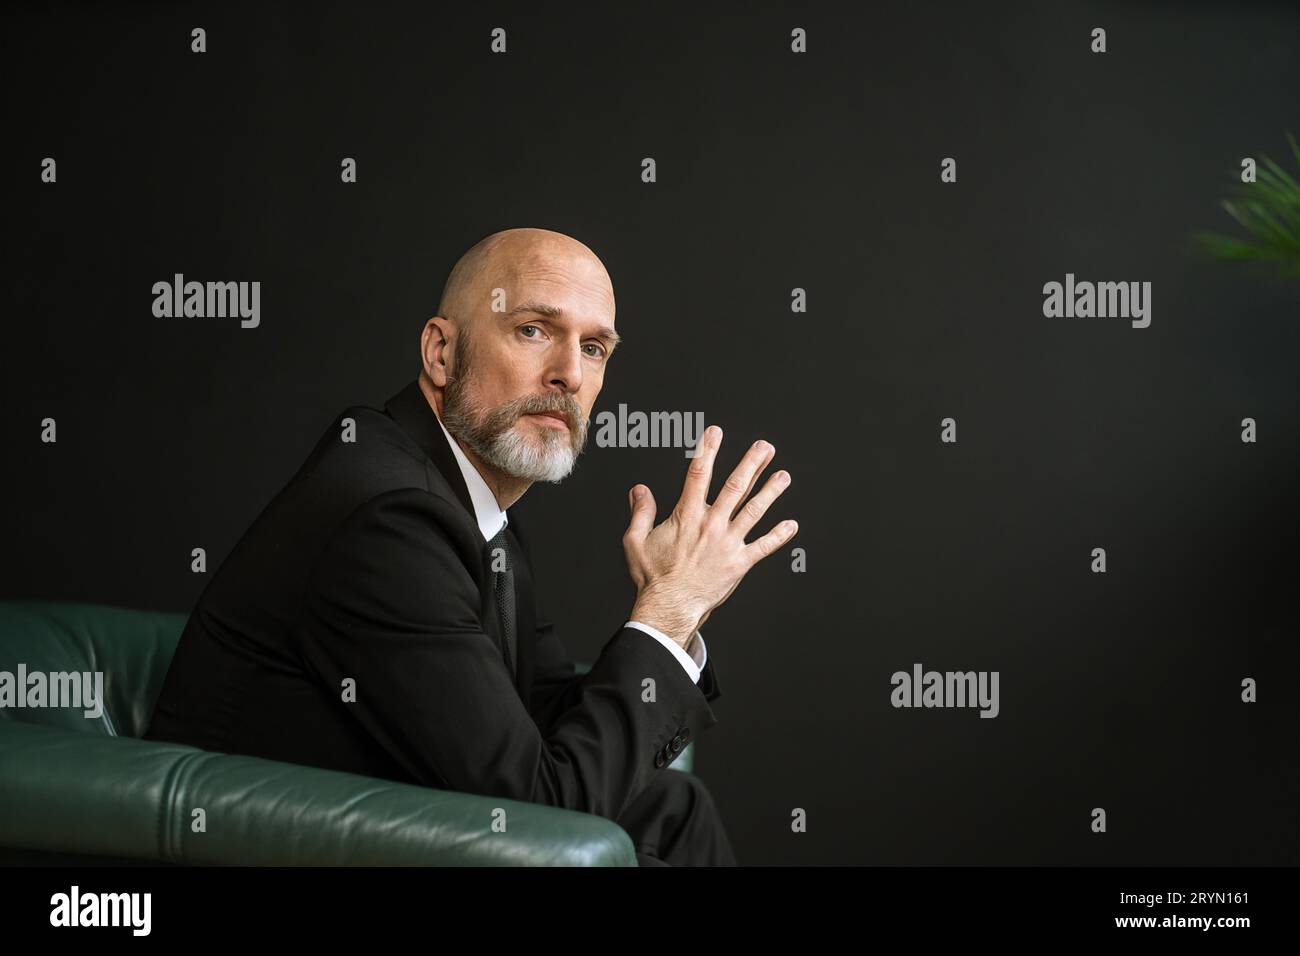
520	457
497	441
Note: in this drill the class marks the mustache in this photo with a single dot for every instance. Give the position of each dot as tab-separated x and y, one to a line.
537	404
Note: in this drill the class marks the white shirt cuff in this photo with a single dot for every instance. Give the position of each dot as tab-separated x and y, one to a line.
693	662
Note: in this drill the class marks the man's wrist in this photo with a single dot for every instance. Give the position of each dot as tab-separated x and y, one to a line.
667	615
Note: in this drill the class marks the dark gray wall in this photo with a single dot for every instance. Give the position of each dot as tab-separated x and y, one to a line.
775	171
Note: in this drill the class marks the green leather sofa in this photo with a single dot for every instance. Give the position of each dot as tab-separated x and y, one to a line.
78	790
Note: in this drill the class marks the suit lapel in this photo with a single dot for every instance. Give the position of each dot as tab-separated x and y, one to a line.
411	410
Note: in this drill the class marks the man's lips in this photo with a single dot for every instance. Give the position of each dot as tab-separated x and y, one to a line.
552	419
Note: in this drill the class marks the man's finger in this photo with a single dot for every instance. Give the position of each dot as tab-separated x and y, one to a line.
643	512
753	510
763	463
760	548
729	497
699	473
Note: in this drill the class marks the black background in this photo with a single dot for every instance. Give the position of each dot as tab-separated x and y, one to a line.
775	171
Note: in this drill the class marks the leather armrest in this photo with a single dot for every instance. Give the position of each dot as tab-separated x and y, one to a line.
68	792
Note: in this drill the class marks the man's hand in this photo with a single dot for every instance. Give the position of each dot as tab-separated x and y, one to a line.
693	561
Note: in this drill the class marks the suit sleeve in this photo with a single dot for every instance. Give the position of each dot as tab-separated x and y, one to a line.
394	604
555	679
556	684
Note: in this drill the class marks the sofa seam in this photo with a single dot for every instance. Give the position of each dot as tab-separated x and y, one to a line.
169	844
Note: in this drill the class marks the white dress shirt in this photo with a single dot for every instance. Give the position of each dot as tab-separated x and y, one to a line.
491	519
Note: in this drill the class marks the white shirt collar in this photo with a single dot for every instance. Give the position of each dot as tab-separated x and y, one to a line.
491	519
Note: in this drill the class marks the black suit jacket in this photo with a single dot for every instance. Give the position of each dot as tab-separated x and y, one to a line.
369	566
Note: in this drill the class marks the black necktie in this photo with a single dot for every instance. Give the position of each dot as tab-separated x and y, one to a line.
503	582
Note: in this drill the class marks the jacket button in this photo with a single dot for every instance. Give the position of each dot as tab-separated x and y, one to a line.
676	745
685	733
660	760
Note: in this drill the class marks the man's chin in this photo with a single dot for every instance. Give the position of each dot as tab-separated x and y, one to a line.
555	453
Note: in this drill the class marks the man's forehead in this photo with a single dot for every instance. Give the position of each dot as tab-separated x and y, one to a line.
564	270
577	294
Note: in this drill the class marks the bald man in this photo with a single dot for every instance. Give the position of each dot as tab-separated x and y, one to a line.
379	616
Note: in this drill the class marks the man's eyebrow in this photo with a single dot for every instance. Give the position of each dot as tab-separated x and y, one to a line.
604	333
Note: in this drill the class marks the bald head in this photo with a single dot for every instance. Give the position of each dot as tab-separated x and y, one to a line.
516	356
513	261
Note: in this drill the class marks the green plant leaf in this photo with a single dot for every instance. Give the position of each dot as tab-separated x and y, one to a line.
1269	212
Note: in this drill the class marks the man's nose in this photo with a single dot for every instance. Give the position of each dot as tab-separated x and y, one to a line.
565	369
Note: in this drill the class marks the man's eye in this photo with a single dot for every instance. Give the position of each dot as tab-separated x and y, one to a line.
533	327
600	350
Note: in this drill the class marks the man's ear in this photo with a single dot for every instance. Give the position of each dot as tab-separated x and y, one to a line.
434	349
